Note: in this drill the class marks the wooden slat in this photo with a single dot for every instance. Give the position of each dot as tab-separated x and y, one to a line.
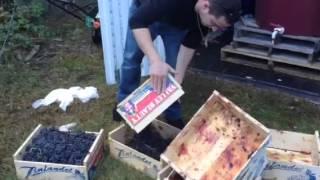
289	156
276	58
260	63
245	63
96	148
316	149
292	141
282	46
299	73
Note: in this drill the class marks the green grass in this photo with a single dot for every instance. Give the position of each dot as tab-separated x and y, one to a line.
274	109
83	65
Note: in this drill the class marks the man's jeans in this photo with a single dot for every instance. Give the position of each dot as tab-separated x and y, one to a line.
131	66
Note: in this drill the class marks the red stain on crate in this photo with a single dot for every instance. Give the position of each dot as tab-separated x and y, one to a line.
182	150
229	157
211	138
205	133
202	126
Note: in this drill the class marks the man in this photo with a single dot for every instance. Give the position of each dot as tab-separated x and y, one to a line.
182	25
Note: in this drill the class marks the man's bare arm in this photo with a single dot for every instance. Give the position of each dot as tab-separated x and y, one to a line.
158	68
185	56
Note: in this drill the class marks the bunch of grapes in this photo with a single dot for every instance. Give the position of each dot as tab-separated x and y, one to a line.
54	146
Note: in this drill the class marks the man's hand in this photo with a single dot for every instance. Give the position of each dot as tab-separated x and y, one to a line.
159	71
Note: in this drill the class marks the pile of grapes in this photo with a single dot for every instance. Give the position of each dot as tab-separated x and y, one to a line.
54	146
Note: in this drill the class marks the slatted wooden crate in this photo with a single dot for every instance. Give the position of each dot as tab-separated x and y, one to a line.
221	141
132	157
251	172
306	47
282	63
52	171
293	156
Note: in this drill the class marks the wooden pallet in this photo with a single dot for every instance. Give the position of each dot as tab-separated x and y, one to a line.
308	47
277	63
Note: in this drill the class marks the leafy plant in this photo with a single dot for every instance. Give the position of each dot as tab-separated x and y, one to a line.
20	26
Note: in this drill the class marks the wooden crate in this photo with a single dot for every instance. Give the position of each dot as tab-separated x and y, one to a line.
132	157
280	63
143	105
52	171
219	142
251	172
309	47
293	156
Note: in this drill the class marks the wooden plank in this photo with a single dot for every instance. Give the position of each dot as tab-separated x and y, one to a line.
263	64
276	68
246	63
289	156
282	46
292	141
296	72
316	149
95	154
276	58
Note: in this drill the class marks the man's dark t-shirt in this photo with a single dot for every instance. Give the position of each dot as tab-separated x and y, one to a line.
178	13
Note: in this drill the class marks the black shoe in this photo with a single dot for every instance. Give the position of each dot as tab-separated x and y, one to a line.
115	115
178	123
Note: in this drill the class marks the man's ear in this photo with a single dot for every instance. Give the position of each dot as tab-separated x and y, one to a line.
205	5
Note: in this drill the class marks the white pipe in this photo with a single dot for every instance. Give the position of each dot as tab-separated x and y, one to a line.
114	21
106	33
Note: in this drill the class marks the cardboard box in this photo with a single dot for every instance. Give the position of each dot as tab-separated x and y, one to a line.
144	105
132	157
221	141
51	171
255	168
293	156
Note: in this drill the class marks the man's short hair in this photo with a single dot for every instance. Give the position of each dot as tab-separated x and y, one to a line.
230	9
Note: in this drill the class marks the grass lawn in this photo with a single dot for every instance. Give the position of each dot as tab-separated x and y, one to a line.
77	62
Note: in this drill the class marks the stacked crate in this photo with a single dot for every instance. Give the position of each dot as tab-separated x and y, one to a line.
293	55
